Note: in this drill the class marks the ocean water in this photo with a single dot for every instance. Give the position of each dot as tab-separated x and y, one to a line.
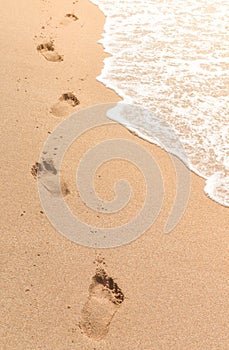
172	57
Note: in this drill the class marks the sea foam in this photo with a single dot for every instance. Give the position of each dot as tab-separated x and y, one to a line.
172	58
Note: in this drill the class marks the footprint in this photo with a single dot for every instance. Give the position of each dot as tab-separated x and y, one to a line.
65	104
45	173
104	300
69	17
48	51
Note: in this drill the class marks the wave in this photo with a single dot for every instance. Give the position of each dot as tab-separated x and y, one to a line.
172	58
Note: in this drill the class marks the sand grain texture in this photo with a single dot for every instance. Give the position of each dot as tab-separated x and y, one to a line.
174	285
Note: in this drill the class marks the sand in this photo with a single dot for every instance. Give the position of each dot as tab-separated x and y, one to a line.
56	294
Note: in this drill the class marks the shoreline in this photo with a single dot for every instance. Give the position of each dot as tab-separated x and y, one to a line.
174	285
215	186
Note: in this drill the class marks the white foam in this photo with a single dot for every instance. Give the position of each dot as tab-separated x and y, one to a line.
172	58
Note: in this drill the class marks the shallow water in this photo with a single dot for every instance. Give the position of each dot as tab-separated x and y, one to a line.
173	58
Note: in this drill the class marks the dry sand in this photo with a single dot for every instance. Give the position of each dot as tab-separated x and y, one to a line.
174	286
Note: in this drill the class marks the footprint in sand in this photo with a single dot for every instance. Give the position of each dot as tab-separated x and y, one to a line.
65	104
69	18
104	300
45	172
47	50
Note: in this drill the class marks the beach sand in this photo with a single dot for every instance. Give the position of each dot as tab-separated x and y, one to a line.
56	294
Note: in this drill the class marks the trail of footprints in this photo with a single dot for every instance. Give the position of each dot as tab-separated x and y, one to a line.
68	100
105	296
104	300
64	106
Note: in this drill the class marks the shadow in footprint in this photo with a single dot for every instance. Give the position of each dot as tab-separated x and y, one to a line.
65	104
104	300
47	50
